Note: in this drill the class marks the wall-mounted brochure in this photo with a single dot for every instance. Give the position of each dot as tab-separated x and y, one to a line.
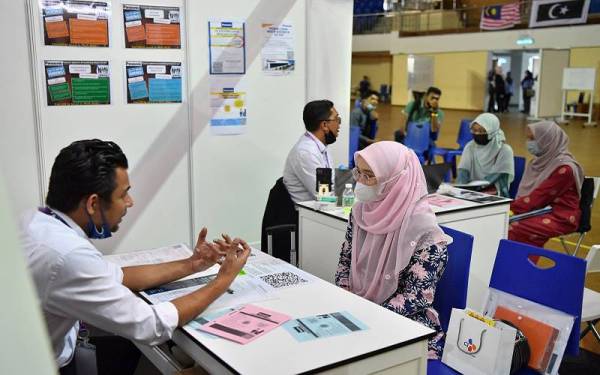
77	82
227	106
151	26
227	47
278	49
153	82
75	23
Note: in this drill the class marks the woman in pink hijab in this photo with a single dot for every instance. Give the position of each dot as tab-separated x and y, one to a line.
553	178
395	252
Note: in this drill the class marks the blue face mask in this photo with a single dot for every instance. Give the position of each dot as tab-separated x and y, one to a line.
93	232
370	107
533	148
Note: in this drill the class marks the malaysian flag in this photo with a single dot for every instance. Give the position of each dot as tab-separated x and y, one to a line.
498	17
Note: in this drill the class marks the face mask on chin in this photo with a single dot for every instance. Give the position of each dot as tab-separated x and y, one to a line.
329	138
93	232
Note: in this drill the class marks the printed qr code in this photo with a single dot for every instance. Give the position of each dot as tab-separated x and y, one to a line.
174	16
217	67
283	279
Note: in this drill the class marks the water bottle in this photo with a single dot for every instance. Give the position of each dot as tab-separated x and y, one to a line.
348	196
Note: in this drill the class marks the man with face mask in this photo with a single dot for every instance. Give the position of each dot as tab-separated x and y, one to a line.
322	123
88	195
364	117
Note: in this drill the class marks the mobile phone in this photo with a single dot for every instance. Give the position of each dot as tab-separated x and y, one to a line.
323	177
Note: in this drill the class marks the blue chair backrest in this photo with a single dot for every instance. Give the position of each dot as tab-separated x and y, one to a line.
354	140
559	287
451	291
519	170
417	136
464	133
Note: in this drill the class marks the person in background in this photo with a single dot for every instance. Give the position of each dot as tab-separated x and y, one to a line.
509	91
487	156
364	86
322	124
364	117
553	178
394	253
499	88
528	92
88	196
491	92
423	109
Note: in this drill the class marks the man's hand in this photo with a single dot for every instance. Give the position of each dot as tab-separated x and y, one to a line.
206	254
374	115
237	254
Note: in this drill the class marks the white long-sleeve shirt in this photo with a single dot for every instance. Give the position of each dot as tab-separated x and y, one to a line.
300	172
75	283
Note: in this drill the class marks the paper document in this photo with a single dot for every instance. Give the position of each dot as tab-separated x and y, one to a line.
154	256
244	289
277	273
246	324
324	325
206	317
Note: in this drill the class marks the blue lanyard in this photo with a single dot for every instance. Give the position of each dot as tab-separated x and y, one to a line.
319	148
49	212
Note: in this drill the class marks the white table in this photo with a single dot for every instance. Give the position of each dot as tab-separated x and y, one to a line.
392	343
322	233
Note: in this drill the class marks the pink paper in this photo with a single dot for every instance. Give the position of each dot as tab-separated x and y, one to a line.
443	201
246	324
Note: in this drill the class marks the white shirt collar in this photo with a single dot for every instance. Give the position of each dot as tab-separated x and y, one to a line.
71	223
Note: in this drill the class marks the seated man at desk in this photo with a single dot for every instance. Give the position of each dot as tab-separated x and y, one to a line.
88	195
424	108
322	123
365	118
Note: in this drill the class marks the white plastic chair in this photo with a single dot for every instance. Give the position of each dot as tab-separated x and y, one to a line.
590	311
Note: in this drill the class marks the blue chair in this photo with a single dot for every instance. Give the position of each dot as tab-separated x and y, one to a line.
559	287
519	170
451	291
417	139
464	136
354	141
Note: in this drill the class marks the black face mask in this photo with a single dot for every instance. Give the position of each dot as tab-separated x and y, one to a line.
329	138
481	139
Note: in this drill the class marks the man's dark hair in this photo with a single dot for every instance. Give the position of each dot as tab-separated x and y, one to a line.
369	93
81	169
434	90
315	112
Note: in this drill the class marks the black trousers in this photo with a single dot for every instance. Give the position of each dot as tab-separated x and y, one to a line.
115	355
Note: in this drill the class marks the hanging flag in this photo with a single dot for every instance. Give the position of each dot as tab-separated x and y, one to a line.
557	12
498	17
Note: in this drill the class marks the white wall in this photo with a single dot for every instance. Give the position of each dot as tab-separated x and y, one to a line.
182	177
25	347
556	37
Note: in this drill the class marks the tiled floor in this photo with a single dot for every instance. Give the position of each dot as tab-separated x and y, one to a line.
584	144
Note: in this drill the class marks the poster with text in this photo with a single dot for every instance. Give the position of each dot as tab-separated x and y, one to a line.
227	47
77	82
227	106
75	23
151	26
277	49
153	82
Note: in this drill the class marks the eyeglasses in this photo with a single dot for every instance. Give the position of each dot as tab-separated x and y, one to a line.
360	176
337	119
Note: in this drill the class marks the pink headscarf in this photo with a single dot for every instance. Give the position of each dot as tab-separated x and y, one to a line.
387	232
553	142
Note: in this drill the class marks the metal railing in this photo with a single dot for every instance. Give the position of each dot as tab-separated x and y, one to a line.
436	21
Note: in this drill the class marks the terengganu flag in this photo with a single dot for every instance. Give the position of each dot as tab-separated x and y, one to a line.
558	12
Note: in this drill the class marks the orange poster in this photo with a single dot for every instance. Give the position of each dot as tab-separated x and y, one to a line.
135	33
89	32
162	34
57	29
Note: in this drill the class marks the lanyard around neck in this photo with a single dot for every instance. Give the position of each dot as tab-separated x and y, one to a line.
49	212
319	148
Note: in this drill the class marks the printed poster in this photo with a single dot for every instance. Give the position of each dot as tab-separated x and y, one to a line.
278	49
151	26
75	23
227	47
153	82
227	106
77	82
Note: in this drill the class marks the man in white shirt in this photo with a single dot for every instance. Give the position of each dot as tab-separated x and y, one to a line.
88	195
322	123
